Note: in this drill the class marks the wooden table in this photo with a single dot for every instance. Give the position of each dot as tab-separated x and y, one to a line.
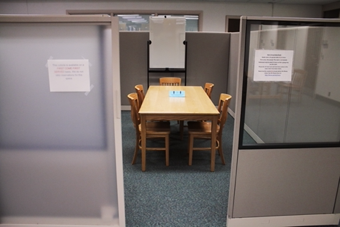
196	105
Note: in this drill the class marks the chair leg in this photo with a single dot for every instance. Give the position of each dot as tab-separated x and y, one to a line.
167	150
136	152
191	145
220	151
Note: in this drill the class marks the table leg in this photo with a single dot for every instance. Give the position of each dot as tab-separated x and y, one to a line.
213	143
143	141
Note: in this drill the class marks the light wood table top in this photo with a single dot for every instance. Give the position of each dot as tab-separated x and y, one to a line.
196	101
196	105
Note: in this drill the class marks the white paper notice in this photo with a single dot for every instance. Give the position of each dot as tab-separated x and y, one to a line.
273	65
69	75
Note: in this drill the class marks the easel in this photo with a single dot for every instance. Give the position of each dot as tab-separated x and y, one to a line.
167	70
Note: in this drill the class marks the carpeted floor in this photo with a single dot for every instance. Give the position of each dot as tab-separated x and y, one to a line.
177	195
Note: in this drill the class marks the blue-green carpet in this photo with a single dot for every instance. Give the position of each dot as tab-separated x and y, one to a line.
179	194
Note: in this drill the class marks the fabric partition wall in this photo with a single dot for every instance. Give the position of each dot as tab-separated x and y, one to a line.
201	68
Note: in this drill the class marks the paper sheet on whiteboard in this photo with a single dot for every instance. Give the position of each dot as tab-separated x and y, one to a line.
69	75
273	65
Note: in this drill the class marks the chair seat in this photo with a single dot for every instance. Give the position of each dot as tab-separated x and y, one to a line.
201	127
156	127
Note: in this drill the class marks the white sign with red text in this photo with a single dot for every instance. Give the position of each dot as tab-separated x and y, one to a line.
69	75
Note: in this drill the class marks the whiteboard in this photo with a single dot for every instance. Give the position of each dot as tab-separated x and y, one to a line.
167	36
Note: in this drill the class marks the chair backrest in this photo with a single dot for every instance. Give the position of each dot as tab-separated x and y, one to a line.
140	94
170	81
223	105
133	100
208	87
299	78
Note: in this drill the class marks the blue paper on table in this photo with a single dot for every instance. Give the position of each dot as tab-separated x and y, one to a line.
177	93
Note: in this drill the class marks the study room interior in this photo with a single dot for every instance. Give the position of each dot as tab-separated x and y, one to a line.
82	103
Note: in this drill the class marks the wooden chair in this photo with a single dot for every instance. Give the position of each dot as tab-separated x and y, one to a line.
153	130
208	87
202	130
170	81
297	84
173	81
140	93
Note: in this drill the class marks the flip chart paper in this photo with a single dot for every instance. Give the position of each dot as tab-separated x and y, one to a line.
273	65
69	75
167	35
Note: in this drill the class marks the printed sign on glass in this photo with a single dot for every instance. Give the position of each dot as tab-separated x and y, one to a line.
273	65
69	75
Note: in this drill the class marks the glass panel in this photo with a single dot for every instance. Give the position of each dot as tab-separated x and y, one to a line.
304	109
191	21
33	117
140	22
56	154
134	22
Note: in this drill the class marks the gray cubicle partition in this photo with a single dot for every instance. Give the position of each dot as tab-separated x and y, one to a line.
207	61
60	152
286	149
232	73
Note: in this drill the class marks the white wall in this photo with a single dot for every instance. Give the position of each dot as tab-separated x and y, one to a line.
213	12
327	83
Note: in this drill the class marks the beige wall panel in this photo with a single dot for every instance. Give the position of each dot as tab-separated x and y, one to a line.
286	182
